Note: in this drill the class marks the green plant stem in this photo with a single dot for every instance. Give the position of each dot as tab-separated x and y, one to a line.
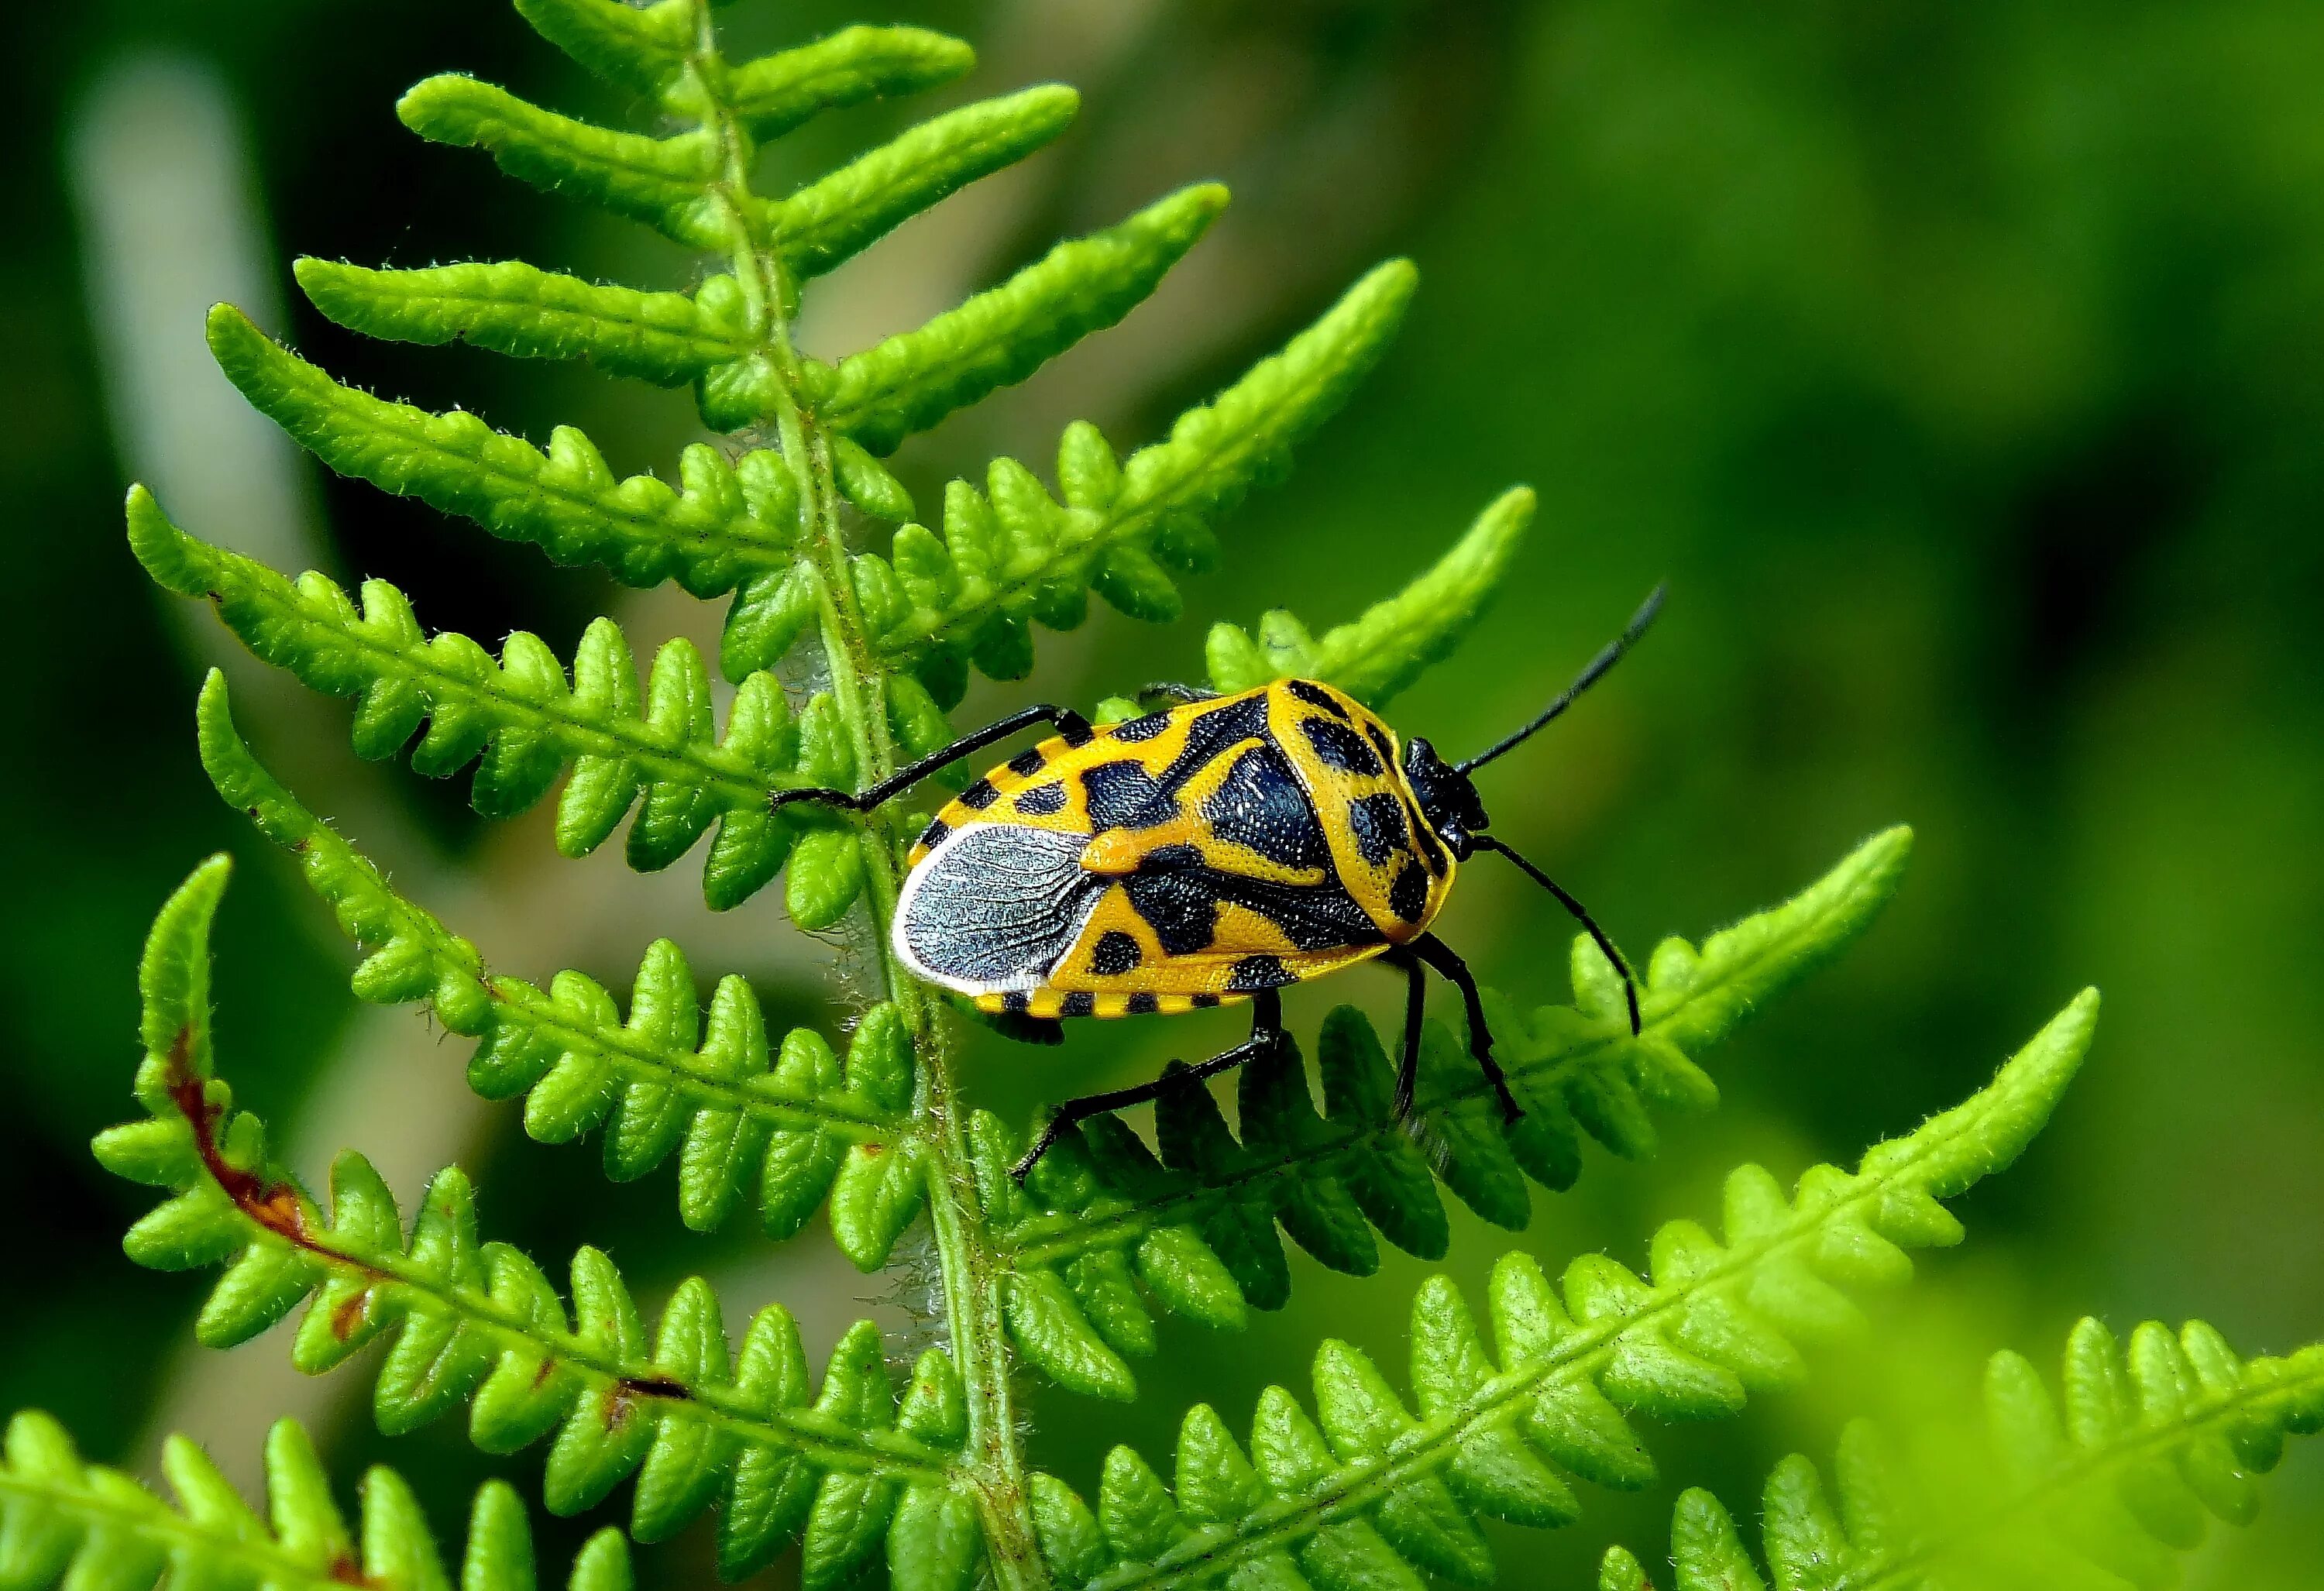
967	1257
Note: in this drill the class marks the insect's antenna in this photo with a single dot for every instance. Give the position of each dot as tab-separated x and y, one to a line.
1607	656
1581	913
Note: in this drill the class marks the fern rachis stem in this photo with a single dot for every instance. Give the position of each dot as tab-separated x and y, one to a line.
968	1259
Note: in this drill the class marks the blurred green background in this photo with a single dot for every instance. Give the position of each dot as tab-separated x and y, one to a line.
1961	367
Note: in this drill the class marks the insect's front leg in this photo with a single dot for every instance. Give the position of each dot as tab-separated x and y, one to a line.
1072	725
1266	1033
1455	971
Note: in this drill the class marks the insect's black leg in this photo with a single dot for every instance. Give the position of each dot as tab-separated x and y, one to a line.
1416	1006
1266	1033
1581	914
1069	724
1454	970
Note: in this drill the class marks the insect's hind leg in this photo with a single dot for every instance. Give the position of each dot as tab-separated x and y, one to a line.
1069	723
1416	1007
1266	1033
1455	971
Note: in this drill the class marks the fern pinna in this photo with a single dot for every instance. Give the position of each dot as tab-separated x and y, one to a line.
923	1471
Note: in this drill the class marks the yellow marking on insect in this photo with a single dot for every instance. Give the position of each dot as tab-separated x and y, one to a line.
1113	854
1214	840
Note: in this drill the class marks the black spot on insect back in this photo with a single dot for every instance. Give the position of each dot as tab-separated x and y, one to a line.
1080	1003
1203	1002
1377	822
1141	728
1316	695
1213	730
1042	800
1184	915
1312	916
1168	891
1408	897
1116	952
1143	1005
1256	972
1026	764
1261	807
932	835
979	795
1340	746
1124	796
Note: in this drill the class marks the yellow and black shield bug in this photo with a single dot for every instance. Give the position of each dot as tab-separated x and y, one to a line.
1204	854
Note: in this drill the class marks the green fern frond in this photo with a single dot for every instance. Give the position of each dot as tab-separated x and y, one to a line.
837	216
665	182
1013	553
65	1522
523	723
778	1121
641	47
1376	655
476	1322
1008	557
2152	1444
678	183
912	381
721	524
1369	1491
647	48
776	93
1364	1489
1197	1227
515	309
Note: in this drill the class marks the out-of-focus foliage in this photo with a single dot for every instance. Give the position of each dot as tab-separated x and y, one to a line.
2151	1444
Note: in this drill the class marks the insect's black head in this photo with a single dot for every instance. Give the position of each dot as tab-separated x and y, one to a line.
1448	796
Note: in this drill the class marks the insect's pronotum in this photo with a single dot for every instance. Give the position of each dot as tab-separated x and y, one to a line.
1204	854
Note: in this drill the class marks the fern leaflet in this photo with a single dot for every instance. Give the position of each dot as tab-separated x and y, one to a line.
65	1520
722	524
